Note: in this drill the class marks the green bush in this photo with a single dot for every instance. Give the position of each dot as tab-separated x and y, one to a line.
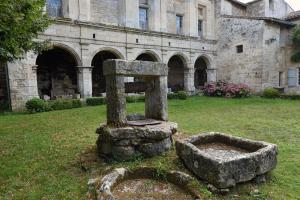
182	95
178	95
76	103
95	101
62	104
3	105
135	98
291	96
37	105
271	93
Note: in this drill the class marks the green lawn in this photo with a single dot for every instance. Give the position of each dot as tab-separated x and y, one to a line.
39	153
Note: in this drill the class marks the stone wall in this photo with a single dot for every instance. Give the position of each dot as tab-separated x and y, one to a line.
256	8
273	55
229	8
245	67
268	8
105	11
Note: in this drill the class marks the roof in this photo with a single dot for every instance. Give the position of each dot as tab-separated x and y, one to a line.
238	2
269	19
293	15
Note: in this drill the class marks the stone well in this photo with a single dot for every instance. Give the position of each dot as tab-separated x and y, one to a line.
224	160
123	137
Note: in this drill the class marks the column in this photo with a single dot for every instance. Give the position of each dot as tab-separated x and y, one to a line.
116	100
129	13
85	81
33	85
211	75
189	85
156	98
84	10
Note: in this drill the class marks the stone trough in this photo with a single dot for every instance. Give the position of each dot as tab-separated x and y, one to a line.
224	160
143	183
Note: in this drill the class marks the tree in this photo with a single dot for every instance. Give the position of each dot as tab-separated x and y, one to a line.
296	42
20	23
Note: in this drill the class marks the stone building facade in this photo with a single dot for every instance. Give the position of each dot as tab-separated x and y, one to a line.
197	39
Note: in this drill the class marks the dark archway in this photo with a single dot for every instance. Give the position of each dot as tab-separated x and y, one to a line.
200	73
4	99
146	57
176	73
57	74
98	79
138	85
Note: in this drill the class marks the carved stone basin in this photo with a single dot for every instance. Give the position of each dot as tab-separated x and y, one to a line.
224	160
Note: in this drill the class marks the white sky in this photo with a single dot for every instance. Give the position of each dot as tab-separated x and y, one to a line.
295	4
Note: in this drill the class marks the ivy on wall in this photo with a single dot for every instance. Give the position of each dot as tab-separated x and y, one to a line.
296	42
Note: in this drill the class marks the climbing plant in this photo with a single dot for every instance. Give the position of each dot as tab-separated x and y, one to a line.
20	23
296	42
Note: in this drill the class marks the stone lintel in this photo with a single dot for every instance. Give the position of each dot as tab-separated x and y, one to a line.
134	68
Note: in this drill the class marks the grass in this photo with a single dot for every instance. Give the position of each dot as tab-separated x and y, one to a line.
39	153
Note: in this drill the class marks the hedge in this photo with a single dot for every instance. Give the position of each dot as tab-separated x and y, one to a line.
95	101
178	95
38	105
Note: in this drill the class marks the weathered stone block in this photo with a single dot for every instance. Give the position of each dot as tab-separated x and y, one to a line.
134	68
225	160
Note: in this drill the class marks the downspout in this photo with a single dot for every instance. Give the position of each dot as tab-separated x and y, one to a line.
7	87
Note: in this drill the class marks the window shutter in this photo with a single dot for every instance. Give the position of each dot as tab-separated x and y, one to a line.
292	77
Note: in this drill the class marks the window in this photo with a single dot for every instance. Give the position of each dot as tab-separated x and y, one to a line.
239	48
293	77
201	20
271	5
280	83
179	24
200	28
54	8
143	17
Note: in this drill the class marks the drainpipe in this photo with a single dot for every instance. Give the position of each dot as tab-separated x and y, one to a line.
7	86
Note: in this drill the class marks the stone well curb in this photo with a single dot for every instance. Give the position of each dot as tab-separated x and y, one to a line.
101	188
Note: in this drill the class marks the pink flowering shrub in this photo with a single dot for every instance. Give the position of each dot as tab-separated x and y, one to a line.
229	90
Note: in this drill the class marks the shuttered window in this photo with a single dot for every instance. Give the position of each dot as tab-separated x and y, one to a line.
293	77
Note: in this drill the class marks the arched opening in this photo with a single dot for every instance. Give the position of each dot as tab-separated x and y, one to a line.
56	74
146	57
135	84
200	73
176	73
98	79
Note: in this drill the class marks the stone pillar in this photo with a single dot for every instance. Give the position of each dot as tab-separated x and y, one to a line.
33	82
156	98
115	96
84	10
129	13
211	75
189	85
84	81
